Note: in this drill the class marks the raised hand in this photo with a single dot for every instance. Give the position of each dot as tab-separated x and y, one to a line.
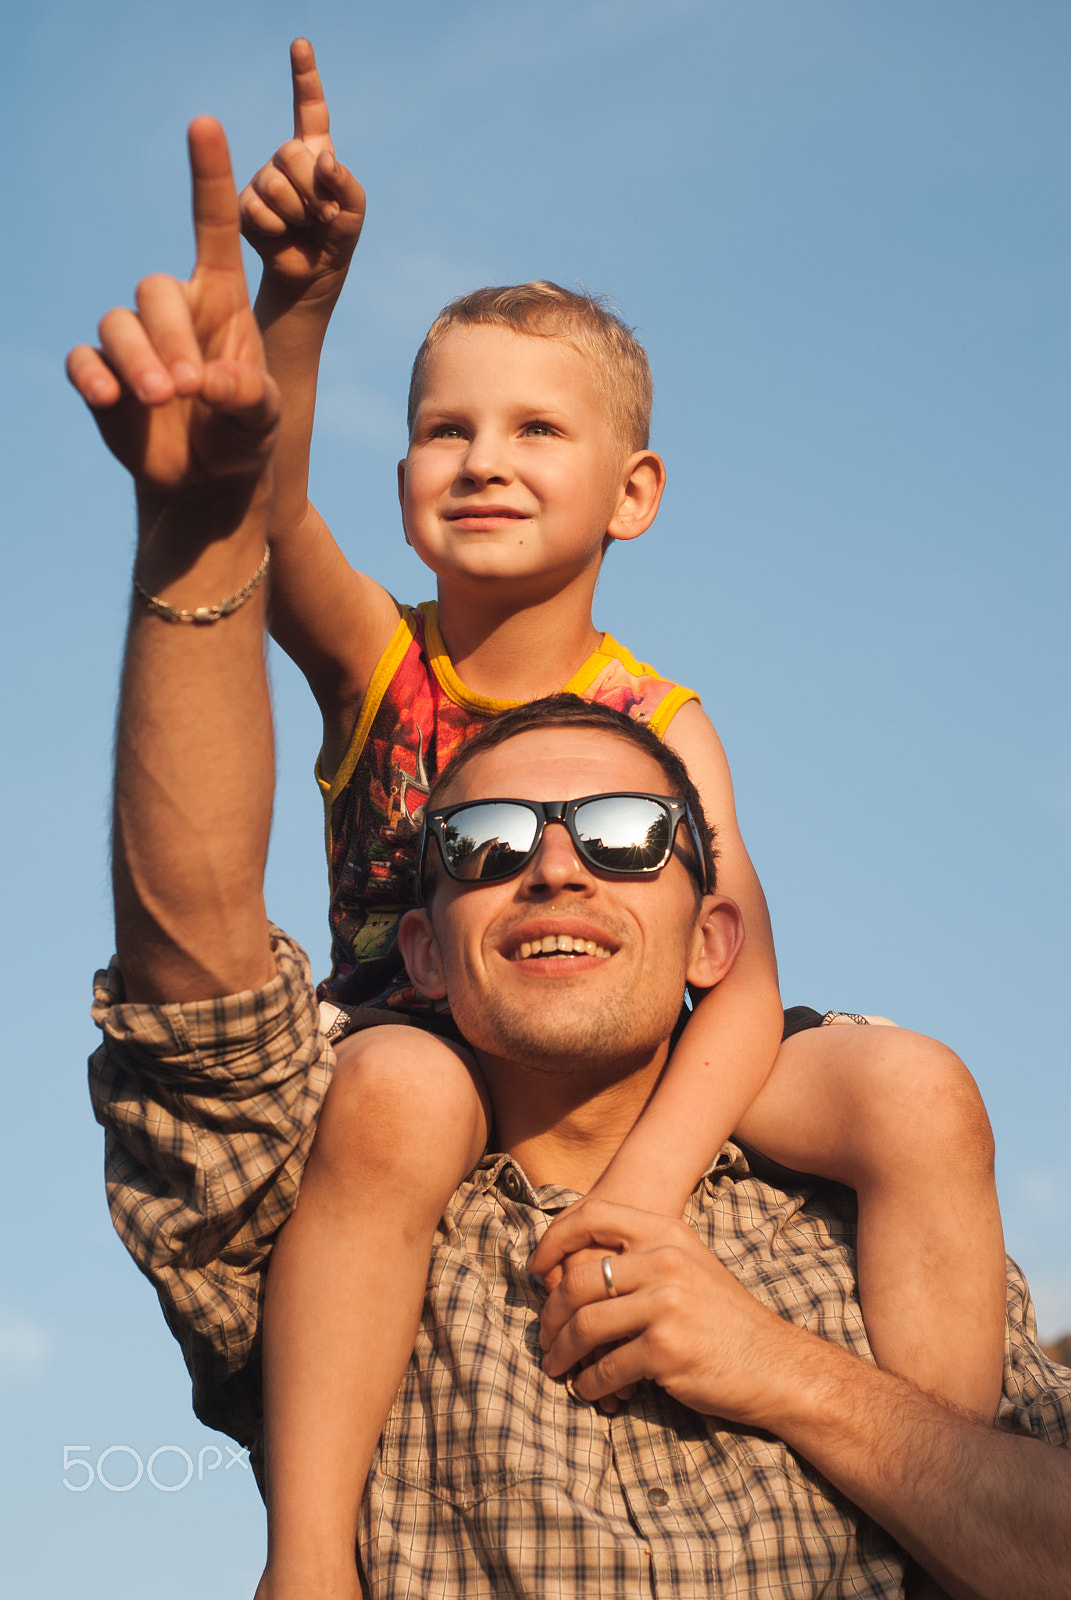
179	389
303	211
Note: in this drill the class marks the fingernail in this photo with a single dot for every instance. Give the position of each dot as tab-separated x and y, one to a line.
329	213
183	372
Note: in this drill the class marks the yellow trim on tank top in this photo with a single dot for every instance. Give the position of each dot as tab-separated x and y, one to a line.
668	709
389	662
443	669
391	659
609	650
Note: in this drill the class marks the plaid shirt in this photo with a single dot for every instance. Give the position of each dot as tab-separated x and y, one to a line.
492	1479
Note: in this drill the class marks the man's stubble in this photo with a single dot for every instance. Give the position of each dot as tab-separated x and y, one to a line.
570	1026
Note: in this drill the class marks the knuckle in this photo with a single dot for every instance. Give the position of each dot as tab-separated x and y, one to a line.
112	321
276	192
672	1299
658	1345
583	1320
606	1368
292	157
153	288
571	1279
274	185
681	1251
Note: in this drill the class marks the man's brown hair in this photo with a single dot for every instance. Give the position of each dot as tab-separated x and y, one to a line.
588	322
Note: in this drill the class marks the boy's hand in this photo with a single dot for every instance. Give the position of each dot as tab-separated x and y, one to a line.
179	388
303	212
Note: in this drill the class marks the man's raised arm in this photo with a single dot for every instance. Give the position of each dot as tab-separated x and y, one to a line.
182	398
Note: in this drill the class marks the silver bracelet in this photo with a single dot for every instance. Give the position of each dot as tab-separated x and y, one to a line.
203	614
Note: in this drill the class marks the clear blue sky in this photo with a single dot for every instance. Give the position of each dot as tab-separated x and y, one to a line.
841	229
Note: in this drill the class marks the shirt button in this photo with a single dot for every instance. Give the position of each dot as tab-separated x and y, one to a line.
510	1183
657	1497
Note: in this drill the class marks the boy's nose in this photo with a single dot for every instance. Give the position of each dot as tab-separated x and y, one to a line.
486	460
556	866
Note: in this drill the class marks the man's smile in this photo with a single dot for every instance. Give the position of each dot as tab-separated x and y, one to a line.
560	944
580	945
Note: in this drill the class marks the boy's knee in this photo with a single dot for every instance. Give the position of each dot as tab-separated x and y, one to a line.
397	1095
920	1087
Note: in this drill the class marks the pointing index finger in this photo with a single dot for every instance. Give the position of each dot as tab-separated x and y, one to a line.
215	199
311	117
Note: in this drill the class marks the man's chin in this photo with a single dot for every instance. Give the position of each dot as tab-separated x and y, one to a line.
565	1035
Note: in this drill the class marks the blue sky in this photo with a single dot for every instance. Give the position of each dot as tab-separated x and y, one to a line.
841	230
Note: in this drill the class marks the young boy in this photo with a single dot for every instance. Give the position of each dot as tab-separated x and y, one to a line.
528	456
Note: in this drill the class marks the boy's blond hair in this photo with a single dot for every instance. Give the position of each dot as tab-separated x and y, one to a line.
585	321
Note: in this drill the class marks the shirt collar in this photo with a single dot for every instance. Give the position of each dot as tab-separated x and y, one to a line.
502	1172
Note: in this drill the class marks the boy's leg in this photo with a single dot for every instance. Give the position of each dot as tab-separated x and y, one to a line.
899	1118
404	1121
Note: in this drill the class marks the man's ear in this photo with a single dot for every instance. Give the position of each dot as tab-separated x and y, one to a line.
643	480
401	502
719	936
420	952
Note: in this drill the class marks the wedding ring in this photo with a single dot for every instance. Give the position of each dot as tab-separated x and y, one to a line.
608	1278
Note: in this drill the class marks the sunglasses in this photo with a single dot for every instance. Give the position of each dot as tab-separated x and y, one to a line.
485	841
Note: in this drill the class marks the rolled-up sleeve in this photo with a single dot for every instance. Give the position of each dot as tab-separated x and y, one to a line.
209	1111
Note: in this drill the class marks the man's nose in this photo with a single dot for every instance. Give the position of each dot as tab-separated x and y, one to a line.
557	866
487	459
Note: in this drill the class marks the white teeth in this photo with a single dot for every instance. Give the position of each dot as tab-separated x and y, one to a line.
561	943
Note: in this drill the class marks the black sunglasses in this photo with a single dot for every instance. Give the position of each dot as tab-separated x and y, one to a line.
484	841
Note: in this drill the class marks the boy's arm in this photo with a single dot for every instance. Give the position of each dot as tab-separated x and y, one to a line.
725	1053
303	214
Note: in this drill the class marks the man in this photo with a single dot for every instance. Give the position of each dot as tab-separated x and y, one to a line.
760	1446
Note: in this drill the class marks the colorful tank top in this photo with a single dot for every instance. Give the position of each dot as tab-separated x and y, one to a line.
416	713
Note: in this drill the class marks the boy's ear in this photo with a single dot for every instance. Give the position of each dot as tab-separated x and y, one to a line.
719	935
643	480
420	952
401	495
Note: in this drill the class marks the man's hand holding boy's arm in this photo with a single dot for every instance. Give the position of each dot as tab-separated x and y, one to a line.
988	1514
303	213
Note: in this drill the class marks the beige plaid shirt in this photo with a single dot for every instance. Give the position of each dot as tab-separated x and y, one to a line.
492	1479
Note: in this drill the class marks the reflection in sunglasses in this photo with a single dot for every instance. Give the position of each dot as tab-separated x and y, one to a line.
488	840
